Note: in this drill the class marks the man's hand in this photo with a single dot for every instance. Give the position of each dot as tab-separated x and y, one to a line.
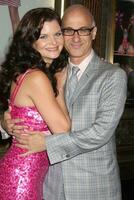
33	142
7	123
10	125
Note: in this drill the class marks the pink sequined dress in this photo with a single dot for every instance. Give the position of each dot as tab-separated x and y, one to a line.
21	178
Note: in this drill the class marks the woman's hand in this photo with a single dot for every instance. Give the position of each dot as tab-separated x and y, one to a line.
61	78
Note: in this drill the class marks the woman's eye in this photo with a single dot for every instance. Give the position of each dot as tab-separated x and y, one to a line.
43	36
58	34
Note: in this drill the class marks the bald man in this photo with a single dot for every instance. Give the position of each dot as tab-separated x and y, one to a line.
87	154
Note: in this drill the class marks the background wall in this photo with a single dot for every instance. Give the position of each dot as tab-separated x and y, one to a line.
5	23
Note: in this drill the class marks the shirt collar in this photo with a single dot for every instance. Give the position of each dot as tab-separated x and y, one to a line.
83	65
85	61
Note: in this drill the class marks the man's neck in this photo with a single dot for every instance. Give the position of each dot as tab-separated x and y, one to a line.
78	60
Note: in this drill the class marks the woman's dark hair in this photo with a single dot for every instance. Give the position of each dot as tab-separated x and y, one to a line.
22	56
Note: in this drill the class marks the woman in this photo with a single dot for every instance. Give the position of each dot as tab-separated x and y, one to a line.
31	67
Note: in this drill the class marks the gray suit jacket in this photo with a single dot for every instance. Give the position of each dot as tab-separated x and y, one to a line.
85	158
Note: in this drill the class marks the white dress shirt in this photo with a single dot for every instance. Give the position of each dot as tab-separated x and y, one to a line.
83	65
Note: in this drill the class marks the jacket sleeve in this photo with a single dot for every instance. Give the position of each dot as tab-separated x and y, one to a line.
4	133
110	108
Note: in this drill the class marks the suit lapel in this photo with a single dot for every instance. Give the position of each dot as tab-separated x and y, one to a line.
86	77
66	89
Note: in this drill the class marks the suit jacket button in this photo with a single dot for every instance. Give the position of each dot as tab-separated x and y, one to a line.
67	156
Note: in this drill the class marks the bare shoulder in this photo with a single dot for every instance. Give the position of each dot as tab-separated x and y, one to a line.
36	77
36	74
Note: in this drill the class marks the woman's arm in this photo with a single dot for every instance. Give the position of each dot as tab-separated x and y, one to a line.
54	112
37	90
61	79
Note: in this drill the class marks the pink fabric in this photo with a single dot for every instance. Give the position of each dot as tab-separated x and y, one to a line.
15	3
21	178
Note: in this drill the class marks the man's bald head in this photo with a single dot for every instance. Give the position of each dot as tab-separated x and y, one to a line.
79	21
78	9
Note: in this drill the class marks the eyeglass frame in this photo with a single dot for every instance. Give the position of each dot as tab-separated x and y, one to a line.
77	30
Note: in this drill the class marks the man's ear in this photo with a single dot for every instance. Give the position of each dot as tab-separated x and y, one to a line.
94	31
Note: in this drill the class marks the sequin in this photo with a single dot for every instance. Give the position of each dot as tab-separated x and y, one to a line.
21	178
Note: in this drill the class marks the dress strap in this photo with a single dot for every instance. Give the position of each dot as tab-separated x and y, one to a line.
19	83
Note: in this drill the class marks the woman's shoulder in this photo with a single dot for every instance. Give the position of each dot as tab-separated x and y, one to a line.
35	74
36	77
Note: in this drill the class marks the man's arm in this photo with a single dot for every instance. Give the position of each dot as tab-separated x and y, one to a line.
4	134
64	146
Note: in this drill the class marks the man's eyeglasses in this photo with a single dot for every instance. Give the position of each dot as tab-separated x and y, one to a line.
81	31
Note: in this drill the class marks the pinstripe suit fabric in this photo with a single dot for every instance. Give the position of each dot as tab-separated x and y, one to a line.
85	158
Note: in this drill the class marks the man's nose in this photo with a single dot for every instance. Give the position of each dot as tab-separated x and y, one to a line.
76	36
